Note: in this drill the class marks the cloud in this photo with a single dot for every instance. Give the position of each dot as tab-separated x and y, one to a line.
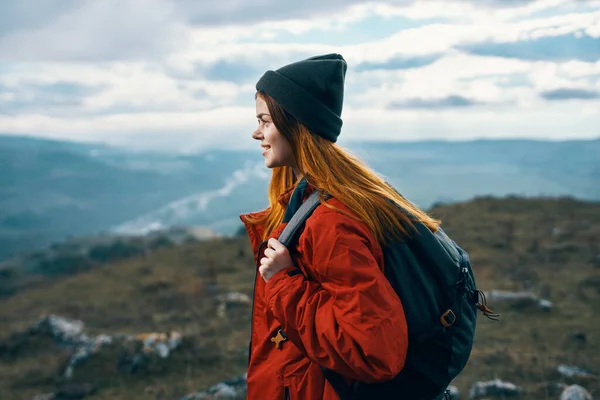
503	3
167	130
160	70
570	93
398	63
457	74
445	102
157	29
554	48
417	45
232	126
31	14
62	96
28	14
208	12
126	89
550	121
99	31
232	71
476	11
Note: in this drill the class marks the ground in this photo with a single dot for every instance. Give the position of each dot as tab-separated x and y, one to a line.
548	246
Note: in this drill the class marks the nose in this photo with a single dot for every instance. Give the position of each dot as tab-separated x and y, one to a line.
257	134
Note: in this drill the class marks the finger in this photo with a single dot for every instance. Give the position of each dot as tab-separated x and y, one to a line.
264	261
269	253
276	244
264	272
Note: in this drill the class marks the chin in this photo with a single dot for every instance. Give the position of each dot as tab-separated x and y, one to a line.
272	164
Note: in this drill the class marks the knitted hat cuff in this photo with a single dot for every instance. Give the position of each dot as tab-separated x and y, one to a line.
301	104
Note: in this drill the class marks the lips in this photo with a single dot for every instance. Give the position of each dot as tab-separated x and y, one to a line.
265	149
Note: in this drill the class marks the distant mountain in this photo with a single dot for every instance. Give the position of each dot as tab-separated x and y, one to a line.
455	171
50	190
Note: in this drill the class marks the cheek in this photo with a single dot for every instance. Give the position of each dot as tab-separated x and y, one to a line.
280	147
286	150
271	135
273	139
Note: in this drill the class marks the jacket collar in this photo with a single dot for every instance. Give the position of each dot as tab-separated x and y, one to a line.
297	192
291	199
295	200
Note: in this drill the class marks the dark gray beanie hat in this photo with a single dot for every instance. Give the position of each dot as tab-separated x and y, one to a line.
312	90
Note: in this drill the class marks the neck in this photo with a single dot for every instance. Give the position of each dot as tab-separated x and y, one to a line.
297	173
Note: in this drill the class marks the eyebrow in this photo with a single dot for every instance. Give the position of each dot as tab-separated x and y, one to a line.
259	116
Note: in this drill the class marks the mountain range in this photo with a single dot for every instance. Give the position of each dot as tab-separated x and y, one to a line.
51	190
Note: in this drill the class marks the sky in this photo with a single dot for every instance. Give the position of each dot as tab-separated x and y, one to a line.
181	74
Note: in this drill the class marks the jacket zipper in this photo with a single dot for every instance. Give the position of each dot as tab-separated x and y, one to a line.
286	393
253	296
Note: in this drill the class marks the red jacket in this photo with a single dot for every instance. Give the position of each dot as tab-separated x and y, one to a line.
340	312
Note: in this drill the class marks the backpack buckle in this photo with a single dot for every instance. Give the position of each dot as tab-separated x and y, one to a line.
448	318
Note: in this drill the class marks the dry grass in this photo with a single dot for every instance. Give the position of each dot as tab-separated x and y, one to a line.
511	243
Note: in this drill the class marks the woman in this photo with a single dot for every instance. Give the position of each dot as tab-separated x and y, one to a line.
325	302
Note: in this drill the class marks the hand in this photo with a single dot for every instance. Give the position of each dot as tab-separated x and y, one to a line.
277	257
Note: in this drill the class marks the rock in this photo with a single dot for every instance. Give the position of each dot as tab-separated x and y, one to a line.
454	392
231	299
578	337
519	298
142	347
64	331
84	351
495	388
570	371
70	334
545	305
234	297
575	392
159	343
47	396
231	389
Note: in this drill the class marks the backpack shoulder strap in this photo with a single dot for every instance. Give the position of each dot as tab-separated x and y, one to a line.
287	237
292	229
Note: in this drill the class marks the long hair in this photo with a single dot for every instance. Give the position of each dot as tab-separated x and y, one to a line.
331	169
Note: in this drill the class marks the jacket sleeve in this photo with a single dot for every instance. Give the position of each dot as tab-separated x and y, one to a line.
350	320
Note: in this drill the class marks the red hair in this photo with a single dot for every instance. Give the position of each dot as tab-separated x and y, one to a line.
328	167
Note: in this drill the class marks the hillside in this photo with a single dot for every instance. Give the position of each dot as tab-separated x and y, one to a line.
50	190
550	247
83	253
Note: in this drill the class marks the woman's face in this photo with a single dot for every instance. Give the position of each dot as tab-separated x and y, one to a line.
276	149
